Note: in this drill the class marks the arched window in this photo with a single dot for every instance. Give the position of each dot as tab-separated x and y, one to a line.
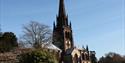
66	34
83	56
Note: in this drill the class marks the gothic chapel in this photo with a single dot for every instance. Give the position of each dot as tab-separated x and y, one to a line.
63	39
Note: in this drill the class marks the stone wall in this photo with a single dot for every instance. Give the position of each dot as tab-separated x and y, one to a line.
11	57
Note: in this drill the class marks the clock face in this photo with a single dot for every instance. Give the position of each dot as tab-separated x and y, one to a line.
68	42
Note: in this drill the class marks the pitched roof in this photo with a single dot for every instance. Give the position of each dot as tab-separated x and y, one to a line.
69	51
52	46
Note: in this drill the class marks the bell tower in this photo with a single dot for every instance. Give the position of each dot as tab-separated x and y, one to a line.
62	29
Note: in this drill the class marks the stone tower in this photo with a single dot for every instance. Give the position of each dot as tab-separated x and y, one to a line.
63	39
62	30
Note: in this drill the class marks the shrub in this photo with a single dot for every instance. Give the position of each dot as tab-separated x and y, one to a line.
37	56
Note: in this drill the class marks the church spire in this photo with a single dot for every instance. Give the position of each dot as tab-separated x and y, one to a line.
62	34
62	12
62	19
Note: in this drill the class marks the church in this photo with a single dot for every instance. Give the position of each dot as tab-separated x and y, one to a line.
63	39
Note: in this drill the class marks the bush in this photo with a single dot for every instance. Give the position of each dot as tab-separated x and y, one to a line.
37	56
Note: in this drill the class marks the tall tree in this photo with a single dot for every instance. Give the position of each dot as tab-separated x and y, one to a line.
36	34
1	36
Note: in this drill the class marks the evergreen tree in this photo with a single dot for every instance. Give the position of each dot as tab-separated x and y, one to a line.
8	41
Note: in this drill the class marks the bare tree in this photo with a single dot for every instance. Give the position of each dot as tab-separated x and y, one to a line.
36	34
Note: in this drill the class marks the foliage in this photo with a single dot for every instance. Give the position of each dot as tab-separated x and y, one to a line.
112	58
36	34
37	56
8	41
0	34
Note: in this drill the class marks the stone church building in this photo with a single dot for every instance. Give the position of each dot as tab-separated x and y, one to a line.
63	39
63	43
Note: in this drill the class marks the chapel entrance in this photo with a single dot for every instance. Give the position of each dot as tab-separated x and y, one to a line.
75	58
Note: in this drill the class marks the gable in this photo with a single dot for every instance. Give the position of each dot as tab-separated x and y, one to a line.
74	52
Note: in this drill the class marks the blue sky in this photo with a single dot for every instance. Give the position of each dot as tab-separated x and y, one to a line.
96	23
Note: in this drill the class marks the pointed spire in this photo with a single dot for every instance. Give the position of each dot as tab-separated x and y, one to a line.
70	24
87	49
83	47
54	26
62	8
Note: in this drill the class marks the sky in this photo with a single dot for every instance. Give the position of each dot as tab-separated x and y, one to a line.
96	23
